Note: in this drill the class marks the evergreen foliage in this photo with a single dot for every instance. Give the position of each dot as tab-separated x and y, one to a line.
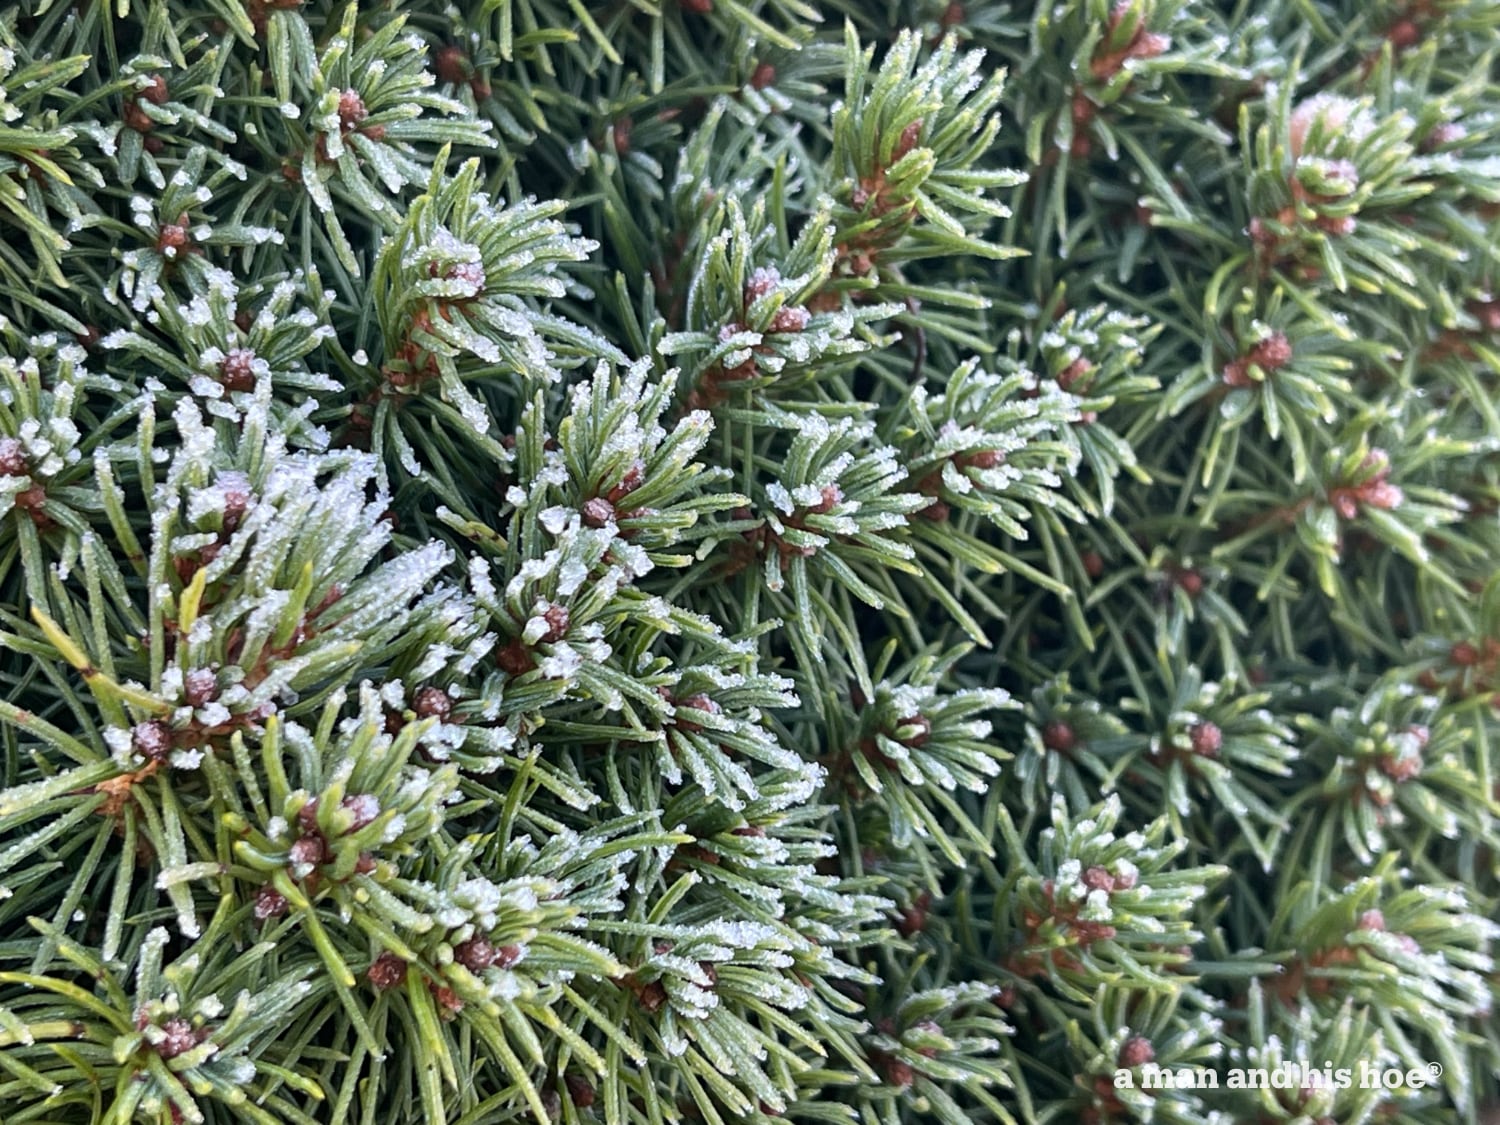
714	560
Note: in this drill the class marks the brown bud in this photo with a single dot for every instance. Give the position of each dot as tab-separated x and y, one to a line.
432	702
507	956
557	619
1059	737
34	503
1189	581
697	702
515	658
1206	739
1441	136
1237	374
764	75
1136	1051
447	999
351	109
269	903
789	318
451	65
621	130
1272	353
12	458
1070	375
200	686
1403	34
632	479
387	972
155	91
307	816
173	236
237	370
652	996
830	497
365	808
913	919
579	1090
762	281
1098	878
476	955
179	1037
908	140
899	1074
923	730
135	118
152	740
598	512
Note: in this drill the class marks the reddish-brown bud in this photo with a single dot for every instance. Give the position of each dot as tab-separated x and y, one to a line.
1403	34
451	65
579	1090
899	1074
447	999
155	91
1059	737
1098	878
1189	581
515	658
152	740
308	851
307	816
1205	738
1441	136
388	972
1136	1051
178	1037
908	140
697	702
269	903
789	318
476	955
200	686
352	109
558	620
432	702
12	458
173	236
1272	353
365	807
922	732
237	370
598	512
